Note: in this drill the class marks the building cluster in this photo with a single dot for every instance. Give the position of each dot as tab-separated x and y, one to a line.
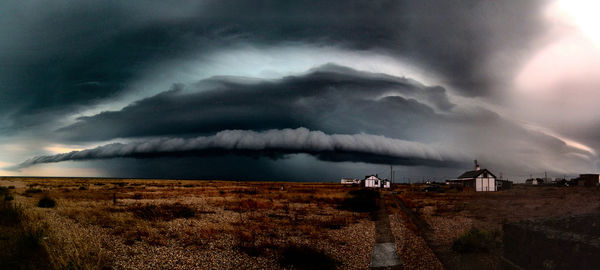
586	180
482	180
370	181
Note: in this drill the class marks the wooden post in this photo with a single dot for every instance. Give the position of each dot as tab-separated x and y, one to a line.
114	198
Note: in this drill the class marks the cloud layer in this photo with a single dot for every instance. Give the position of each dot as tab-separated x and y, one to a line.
273	143
328	100
60	57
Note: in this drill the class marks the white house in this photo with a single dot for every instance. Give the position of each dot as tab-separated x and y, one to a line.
480	179
375	182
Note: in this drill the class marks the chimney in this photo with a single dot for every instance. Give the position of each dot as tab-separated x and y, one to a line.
477	166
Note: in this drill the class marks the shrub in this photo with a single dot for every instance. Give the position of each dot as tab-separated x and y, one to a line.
475	240
32	239
362	200
10	214
246	241
303	257
164	212
334	223
3	191
46	202
11	187
8	197
82	188
33	190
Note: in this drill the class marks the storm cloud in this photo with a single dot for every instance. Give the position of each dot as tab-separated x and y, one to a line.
330	98
61	57
427	85
338	147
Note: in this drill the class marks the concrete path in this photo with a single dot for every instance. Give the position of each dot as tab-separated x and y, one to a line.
384	254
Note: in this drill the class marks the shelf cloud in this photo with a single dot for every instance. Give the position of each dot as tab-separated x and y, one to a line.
272	143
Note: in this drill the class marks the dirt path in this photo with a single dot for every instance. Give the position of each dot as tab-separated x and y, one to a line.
384	254
412	233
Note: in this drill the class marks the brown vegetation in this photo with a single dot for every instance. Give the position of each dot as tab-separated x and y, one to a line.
149	224
464	228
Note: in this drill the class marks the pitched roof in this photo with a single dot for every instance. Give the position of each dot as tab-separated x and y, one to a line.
474	174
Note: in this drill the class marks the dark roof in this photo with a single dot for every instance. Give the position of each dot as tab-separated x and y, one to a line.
474	174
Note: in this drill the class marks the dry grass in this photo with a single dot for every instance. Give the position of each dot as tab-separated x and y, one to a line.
451	215
176	224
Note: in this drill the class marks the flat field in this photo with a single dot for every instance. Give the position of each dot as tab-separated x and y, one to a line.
182	224
441	218
171	224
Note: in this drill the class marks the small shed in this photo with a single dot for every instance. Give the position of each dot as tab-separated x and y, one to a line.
503	184
349	181
531	181
479	179
589	180
372	181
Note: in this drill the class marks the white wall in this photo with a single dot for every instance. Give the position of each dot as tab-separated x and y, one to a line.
485	184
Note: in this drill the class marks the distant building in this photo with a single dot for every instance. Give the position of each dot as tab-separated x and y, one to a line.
348	181
479	179
589	180
532	181
374	181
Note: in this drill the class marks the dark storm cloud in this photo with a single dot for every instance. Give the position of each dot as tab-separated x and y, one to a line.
60	57
330	98
273	143
333	100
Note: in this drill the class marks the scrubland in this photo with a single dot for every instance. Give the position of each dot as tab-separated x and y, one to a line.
464	229
170	224
77	223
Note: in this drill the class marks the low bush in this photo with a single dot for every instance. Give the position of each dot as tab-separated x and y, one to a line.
46	202
32	239
362	200
33	190
334	223
475	240
163	212
10	213
303	257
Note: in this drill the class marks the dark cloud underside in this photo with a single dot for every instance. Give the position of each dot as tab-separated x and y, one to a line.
330	98
68	55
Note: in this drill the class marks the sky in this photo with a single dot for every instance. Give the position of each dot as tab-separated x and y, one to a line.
304	90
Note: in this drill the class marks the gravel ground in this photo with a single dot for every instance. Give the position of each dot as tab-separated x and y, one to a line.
413	250
205	241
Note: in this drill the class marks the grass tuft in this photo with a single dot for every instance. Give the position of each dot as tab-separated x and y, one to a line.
475	240
362	200
46	202
163	212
